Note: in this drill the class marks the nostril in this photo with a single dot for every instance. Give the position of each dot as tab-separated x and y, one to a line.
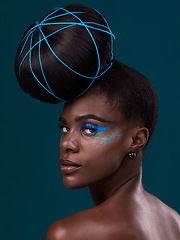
69	150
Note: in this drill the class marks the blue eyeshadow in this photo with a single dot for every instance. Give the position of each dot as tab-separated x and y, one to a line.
94	127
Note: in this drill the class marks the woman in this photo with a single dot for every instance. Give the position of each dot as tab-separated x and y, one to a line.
108	118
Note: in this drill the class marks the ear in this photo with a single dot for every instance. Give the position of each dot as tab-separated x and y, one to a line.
139	138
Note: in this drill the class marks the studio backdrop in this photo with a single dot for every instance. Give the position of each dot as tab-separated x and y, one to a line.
32	195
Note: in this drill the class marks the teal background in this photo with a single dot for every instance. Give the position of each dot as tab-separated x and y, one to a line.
32	194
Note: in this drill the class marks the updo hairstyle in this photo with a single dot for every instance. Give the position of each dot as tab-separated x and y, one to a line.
70	51
61	55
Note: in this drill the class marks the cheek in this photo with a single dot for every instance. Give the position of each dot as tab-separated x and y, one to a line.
97	164
105	160
112	138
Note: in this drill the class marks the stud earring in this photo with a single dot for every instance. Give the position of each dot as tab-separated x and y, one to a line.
131	155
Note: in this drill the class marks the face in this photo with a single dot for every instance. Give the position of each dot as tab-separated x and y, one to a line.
93	142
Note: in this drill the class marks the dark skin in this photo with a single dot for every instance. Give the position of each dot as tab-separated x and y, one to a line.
123	209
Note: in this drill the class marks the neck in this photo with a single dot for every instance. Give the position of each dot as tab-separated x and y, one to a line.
124	181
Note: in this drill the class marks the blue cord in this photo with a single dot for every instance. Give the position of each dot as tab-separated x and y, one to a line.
42	37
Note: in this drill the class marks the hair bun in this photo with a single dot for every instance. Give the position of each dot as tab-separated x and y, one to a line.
61	55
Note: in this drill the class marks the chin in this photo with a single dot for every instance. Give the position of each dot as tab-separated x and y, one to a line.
71	183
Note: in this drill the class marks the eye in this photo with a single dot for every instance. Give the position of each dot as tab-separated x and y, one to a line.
89	129
63	128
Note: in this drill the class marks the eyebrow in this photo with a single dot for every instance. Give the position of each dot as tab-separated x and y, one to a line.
84	117
62	120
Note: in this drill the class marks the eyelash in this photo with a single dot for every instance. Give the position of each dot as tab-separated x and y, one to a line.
61	126
89	126
86	126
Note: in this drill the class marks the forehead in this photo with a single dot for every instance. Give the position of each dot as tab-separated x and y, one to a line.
91	104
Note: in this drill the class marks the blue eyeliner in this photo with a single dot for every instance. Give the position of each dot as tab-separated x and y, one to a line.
96	129
91	129
108	139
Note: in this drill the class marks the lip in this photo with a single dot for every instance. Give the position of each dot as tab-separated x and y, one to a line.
68	166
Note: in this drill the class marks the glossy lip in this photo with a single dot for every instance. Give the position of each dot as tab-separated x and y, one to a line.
67	166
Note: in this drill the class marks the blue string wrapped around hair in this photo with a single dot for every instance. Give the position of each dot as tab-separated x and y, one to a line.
31	63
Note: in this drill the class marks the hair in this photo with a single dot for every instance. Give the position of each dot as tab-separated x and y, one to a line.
42	75
131	92
61	55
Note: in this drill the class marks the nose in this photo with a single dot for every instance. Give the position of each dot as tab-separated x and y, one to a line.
69	142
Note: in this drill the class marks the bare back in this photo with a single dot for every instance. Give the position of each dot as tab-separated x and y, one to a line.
121	219
158	220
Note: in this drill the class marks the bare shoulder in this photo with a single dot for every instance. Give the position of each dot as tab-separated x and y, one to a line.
165	211
78	226
172	218
166	219
151	220
93	224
